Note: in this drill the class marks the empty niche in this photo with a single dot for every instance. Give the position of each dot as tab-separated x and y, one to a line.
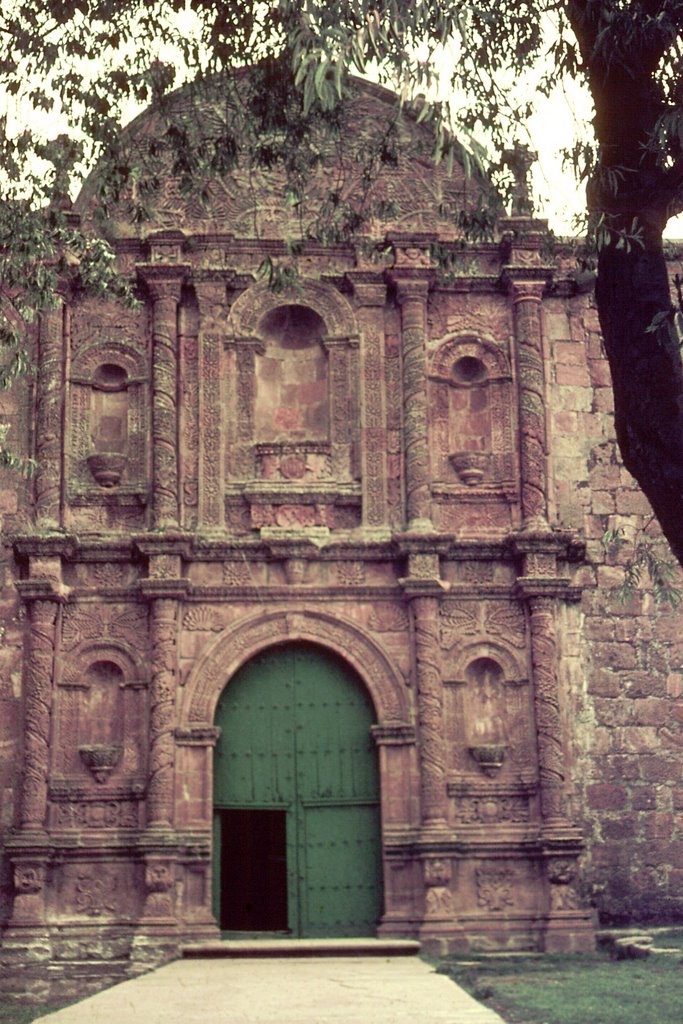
292	377
486	714
109	406
101	724
471	419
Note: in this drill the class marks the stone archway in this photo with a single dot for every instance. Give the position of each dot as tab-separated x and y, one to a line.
297	847
247	637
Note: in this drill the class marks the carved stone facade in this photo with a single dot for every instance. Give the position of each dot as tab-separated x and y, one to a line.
372	464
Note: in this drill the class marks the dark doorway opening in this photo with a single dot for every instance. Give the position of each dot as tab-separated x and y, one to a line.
253	869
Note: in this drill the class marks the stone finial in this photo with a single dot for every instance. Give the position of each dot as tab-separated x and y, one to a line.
520	159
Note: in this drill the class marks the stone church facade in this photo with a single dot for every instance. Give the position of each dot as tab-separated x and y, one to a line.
382	494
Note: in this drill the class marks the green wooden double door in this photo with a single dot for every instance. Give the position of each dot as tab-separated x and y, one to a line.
296	798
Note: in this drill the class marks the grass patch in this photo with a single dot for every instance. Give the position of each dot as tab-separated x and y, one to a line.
15	1013
672	939
575	989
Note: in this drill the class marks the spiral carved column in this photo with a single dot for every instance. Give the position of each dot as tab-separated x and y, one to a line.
40	662
164	284
163	634
526	298
430	712
547	708
49	401
412	296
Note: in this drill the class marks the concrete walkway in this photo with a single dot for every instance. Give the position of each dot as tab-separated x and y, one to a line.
285	990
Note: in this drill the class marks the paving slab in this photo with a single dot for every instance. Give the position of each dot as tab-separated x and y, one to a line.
283	990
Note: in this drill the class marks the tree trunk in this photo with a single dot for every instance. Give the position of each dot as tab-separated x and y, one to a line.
647	375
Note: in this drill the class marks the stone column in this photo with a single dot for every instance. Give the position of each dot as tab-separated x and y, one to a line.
547	708
342	401
49	419
371	298
423	589
29	846
412	296
38	703
164	284
526	299
212	420
163	635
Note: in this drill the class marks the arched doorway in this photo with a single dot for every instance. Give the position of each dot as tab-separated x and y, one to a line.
296	796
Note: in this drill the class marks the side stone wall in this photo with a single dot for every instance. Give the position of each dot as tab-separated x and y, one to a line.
14	493
621	661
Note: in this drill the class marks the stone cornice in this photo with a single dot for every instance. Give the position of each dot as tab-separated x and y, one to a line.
171	588
42	590
562	543
44	545
527	587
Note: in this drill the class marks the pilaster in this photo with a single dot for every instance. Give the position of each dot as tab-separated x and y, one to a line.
412	294
164	283
371	298
49	418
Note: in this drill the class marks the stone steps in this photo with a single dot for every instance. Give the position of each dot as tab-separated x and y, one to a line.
268	948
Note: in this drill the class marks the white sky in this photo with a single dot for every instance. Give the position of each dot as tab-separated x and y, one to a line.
557	195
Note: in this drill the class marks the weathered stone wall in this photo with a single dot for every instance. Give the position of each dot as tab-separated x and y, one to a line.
14	493
621	662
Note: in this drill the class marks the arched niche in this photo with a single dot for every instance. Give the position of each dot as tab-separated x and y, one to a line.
292	375
471	402
291	403
489	712
100	714
107	422
256	302
246	638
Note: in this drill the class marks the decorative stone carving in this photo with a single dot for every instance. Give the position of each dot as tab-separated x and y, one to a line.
108	574
101	758
160	886
86	622
247	637
412	296
295	571
495	887
163	630
438	897
547	707
491	809
203	619
93	892
96	814
213	312
39	673
237	574
351	574
49	400
164	284
29	878
503	620
430	710
526	297
561	875
388	618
